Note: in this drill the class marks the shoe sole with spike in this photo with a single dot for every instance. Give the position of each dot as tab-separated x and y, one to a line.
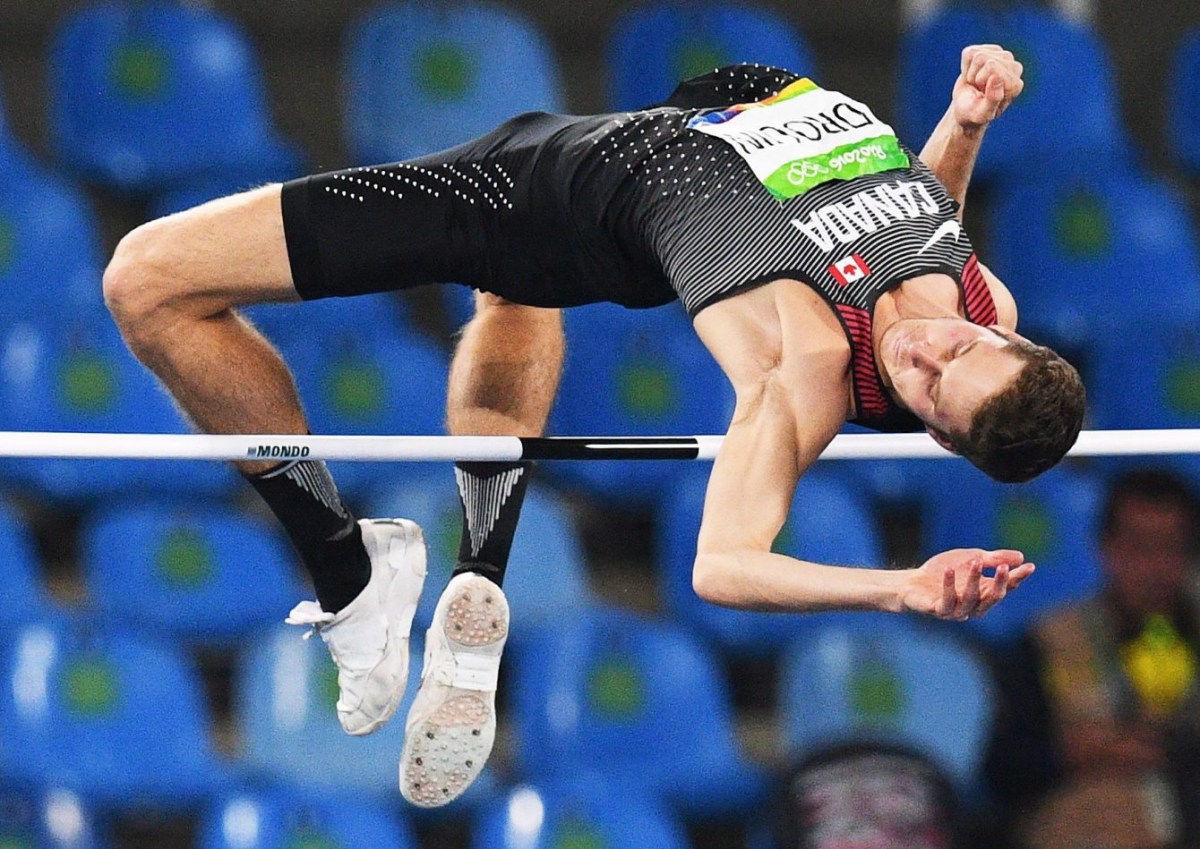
452	724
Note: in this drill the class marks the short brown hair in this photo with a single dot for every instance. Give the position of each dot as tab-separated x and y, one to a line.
1027	428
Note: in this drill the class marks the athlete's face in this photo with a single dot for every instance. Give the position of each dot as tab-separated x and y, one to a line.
944	369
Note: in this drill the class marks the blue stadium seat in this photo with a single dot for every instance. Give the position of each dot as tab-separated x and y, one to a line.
33	817
459	304
199	572
641	703
284	819
655	45
887	679
20	572
1050	519
79	377
369	379
421	77
1069	86
313	324
16	161
1183	110
1084	250
1148	376
576	813
889	484
285	689
828	523
547	581
144	96
119	717
630	374
49	247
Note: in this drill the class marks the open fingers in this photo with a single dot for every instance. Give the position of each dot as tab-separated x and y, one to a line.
1019	574
949	602
999	585
968	602
1009	557
997	589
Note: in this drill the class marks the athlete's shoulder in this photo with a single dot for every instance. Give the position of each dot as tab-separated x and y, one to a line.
1006	304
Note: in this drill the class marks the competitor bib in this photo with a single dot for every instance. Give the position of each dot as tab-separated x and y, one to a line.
805	136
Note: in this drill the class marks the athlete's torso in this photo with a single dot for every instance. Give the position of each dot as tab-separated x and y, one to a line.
658	209
699	215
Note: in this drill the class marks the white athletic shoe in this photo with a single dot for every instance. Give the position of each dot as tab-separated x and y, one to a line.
452	723
368	638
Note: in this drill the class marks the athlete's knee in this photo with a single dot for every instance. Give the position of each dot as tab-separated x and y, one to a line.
196	264
138	280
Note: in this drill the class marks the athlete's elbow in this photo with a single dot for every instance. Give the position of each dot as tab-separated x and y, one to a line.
712	578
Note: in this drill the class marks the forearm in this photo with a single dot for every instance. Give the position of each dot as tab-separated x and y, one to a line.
764	581
950	154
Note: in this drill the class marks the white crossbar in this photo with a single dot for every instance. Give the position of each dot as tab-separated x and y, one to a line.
129	446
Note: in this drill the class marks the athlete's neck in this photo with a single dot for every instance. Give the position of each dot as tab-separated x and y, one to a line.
926	296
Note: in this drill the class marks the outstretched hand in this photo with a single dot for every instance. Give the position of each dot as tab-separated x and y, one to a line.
989	81
952	585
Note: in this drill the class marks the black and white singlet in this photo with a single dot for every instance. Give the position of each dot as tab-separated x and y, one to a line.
640	208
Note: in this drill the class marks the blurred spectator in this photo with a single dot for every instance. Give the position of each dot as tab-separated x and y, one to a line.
866	796
1119	675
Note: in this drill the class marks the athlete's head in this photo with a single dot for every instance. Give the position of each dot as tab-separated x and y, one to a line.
1009	406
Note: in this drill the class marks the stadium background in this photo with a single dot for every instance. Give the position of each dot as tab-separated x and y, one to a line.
148	567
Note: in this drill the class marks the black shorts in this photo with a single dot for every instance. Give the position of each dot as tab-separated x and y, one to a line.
497	213
545	210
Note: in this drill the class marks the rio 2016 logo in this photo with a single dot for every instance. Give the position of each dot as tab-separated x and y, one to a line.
803	170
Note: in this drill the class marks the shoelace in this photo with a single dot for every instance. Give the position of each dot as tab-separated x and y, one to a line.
309	613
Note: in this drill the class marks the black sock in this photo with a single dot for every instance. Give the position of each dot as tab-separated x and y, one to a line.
304	498
491	496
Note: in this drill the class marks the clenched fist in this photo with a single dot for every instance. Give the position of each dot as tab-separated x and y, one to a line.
990	79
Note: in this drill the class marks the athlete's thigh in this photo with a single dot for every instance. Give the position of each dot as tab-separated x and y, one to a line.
226	252
442	218
469	214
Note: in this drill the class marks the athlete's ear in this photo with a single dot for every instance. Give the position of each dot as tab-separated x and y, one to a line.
941	439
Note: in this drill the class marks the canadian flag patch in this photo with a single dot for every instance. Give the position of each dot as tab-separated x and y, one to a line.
848	270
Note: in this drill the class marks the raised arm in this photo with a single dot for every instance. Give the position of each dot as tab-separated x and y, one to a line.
989	80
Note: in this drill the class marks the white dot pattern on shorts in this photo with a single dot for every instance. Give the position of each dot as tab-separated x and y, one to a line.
393	180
